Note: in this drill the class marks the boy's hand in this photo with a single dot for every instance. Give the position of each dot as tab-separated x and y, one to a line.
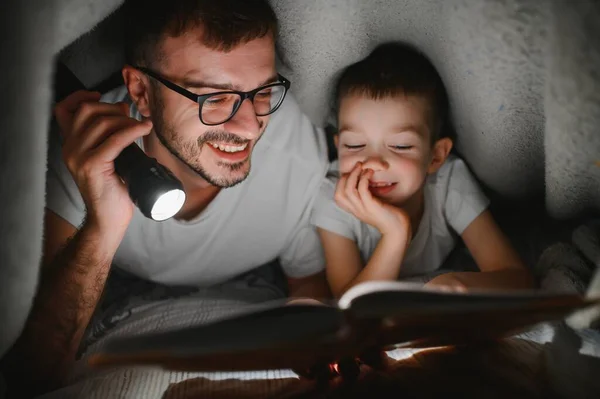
447	282
352	194
304	301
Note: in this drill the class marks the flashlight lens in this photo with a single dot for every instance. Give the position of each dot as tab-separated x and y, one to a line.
168	204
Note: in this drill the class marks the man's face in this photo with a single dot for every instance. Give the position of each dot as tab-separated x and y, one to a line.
219	154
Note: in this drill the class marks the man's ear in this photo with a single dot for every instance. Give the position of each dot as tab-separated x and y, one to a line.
139	89
439	154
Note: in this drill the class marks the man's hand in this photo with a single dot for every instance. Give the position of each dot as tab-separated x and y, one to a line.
352	194
94	134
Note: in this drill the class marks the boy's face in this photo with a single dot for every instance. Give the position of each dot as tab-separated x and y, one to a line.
391	136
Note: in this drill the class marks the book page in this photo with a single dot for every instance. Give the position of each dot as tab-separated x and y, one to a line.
369	287
483	296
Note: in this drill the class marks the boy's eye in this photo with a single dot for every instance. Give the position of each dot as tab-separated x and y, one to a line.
402	147
354	147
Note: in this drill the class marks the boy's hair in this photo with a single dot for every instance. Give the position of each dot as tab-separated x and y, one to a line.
398	69
226	24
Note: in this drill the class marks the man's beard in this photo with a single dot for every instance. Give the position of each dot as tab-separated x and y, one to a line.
189	152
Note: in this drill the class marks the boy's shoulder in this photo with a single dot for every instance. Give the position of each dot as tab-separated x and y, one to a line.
456	194
453	164
454	174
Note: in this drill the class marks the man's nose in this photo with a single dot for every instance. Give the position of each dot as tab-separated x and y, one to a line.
245	123
375	162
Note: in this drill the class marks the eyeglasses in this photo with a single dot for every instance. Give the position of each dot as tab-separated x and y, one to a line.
219	107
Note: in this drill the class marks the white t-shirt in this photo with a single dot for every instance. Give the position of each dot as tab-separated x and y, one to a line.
453	200
263	218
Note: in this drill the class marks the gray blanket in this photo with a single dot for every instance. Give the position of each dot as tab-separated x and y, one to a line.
522	75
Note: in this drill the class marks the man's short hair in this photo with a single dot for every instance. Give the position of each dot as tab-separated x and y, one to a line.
398	69
225	23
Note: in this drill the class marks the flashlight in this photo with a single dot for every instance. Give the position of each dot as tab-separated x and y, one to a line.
152	187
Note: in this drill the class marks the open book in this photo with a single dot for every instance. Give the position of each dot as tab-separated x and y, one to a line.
300	334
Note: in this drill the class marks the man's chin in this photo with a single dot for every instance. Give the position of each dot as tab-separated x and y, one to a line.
228	183
227	180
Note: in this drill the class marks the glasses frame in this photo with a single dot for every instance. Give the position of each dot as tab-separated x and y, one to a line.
200	99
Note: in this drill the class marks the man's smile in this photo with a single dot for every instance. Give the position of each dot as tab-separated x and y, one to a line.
230	152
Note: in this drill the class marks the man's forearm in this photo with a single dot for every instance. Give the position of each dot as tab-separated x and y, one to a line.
69	291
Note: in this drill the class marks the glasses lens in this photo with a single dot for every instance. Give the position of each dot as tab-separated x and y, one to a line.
218	108
268	100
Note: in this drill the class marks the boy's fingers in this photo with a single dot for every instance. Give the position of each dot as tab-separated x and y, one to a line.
356	202
352	181
340	195
339	187
363	185
347	194
370	203
346	205
343	203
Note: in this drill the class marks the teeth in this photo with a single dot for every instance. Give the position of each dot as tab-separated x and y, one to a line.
380	184
229	148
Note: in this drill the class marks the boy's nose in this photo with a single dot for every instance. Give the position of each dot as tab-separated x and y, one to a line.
375	163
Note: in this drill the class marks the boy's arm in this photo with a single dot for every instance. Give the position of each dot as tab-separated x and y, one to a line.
500	265
344	265
303	264
314	286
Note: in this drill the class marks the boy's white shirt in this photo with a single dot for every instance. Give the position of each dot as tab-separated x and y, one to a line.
245	226
453	199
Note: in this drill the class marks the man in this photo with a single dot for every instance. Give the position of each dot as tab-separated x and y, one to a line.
202	88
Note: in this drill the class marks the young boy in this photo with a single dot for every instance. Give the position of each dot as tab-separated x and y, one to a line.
400	200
